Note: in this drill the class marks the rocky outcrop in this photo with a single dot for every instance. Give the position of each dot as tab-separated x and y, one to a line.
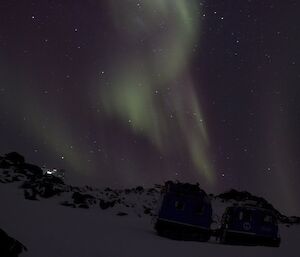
137	200
10	247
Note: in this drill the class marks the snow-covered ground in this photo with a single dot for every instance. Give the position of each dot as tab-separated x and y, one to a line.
52	230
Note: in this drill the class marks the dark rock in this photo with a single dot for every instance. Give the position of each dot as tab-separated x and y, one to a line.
127	191
30	194
122	214
147	210
152	190
84	206
295	219
16	178
80	198
74	188
139	189
45	187
49	191
66	203
10	247
30	169
4	164
15	158
106	204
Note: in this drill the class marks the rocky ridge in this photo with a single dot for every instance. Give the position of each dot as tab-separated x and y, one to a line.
132	201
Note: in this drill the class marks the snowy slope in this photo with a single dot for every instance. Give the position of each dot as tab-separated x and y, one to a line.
51	230
53	219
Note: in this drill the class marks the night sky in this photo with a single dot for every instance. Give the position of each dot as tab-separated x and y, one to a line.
136	92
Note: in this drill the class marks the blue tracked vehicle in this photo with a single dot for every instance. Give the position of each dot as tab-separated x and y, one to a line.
185	212
249	225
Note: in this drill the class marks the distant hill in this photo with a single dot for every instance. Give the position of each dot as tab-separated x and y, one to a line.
132	201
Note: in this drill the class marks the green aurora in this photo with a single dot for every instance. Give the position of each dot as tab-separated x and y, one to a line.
139	78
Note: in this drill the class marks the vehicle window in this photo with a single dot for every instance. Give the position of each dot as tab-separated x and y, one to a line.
268	219
241	215
179	205
245	216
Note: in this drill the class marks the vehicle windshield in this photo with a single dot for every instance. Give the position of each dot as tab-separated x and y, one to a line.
245	215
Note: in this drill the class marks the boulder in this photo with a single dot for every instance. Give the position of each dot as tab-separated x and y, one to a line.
122	213
106	204
15	158
10	247
82	199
